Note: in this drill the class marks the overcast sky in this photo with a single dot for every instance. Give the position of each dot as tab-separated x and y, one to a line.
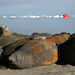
36	7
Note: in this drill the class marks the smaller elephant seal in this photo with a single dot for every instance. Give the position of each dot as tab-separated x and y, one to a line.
60	40
4	31
6	37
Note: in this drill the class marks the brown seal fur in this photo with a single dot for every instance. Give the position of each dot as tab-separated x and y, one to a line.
8	50
59	38
36	53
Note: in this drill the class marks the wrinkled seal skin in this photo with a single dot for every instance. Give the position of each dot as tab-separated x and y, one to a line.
8	50
38	53
35	53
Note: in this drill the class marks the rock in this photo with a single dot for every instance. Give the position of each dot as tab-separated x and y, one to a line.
46	34
35	53
41	34
67	51
4	31
20	35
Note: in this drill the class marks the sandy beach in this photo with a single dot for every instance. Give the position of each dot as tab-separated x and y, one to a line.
42	70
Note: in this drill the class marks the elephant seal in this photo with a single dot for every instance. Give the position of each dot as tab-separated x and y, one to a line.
6	37
59	38
4	31
39	52
35	53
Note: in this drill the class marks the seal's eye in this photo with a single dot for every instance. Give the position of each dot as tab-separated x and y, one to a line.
5	26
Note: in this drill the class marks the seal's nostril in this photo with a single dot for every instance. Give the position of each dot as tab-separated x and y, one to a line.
1	30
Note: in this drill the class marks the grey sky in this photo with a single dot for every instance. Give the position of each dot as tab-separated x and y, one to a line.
37	7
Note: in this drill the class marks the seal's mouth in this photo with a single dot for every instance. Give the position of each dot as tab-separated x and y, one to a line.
1	30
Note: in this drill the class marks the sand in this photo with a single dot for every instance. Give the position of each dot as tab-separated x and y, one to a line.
42	70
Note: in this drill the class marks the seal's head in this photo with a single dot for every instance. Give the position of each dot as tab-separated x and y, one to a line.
4	31
59	38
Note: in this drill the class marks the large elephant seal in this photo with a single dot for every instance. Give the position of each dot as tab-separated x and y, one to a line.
38	52
35	53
